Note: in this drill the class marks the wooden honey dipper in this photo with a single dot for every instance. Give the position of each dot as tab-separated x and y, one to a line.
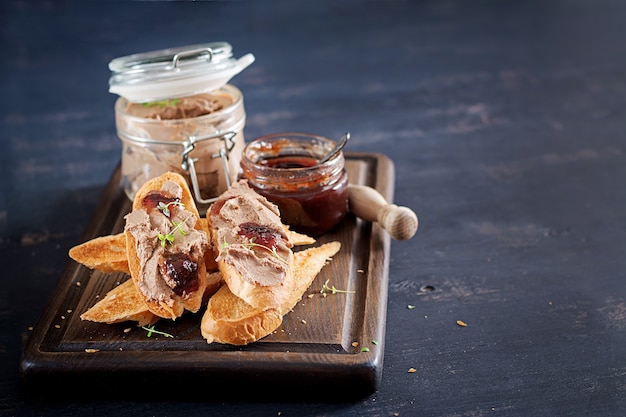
368	204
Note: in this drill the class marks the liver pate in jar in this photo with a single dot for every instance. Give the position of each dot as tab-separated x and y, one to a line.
177	112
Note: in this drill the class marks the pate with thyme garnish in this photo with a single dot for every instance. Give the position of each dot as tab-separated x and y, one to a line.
254	252
180	108
169	247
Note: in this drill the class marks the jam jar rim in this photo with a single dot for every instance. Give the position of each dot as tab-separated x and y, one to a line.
267	174
287	135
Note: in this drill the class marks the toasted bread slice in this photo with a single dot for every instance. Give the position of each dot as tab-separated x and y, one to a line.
307	264
125	303
228	319
150	253
122	303
106	253
298	239
255	256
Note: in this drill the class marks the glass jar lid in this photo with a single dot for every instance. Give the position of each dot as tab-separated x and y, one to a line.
175	72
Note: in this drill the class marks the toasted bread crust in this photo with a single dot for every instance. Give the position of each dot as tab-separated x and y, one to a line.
106	253
307	264
122	303
230	320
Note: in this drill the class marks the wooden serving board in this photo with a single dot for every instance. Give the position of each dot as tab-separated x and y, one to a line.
316	353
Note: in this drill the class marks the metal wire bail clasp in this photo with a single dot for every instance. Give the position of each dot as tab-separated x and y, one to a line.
188	163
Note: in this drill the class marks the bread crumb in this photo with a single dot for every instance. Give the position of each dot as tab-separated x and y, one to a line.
62	317
360	270
30	328
78	284
311	295
126	330
303	321
92	350
355	344
56	326
461	323
69	311
412	370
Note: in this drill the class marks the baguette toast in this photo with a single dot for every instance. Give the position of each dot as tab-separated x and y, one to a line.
122	303
166	245
105	253
254	251
230	320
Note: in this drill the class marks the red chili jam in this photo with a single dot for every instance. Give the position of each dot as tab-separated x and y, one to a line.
284	168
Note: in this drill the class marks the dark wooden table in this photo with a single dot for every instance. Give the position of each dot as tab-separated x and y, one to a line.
506	122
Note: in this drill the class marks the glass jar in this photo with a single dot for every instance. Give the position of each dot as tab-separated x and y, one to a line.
284	168
206	150
177	112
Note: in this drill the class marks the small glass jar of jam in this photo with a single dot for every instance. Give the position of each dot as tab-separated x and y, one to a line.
285	168
177	112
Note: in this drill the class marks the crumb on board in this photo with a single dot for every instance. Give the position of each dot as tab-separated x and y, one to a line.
412	370
88	350
461	323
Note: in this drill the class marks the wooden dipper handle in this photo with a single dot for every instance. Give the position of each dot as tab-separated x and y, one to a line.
367	204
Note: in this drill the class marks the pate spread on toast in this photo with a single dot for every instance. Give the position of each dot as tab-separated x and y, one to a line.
166	243
254	251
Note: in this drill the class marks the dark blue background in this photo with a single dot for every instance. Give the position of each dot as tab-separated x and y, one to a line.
506	122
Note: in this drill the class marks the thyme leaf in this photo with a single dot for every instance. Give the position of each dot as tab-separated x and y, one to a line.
326	289
169	238
151	330
165	208
161	103
251	244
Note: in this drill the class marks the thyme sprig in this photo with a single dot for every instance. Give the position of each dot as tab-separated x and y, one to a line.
165	208
162	103
326	289
169	237
151	330
252	244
